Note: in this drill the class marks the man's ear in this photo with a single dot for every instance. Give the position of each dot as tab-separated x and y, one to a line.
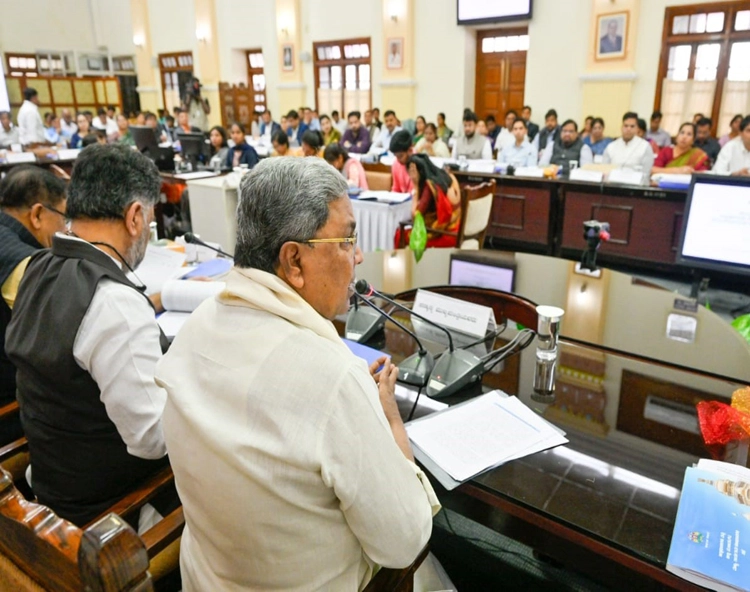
134	219
290	264
35	216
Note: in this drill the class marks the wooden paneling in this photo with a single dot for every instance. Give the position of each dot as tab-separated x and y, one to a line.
500	77
521	213
236	104
60	92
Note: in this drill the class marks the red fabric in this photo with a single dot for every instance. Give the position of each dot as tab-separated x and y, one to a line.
665	155
401	179
721	423
440	241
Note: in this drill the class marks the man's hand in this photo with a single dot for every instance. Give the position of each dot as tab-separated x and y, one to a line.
742	173
375	366
387	390
156	301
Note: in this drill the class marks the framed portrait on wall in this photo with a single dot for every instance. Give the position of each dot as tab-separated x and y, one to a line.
612	35
287	57
395	48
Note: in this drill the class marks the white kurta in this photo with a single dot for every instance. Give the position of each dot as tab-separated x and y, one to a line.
288	472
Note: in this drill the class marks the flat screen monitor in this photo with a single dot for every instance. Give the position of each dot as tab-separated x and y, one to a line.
716	225
483	269
192	145
475	12
145	139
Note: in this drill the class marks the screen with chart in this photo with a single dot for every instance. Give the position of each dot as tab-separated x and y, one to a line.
472	12
481	274
717	225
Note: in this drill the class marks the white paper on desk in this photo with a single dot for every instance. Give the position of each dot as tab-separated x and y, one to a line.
491	429
625	176
159	265
389	197
453	313
387	160
20	157
529	172
68	153
481	166
196	175
585	175
171	322
186	295
670	178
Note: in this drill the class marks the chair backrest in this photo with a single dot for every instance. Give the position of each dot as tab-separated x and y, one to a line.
396	580
379	181
476	207
41	551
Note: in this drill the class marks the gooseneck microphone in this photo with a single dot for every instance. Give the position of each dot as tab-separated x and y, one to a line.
416	369
194	240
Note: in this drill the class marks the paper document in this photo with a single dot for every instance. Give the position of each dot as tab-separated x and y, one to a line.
389	197
172	322
186	296
196	175
467	439
159	265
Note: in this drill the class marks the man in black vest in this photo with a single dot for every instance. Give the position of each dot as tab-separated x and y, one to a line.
568	148
85	342
32	210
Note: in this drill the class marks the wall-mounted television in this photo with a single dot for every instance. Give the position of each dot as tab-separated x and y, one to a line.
477	12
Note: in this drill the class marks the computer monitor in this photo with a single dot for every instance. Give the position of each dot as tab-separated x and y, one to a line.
716	225
193	146
145	139
483	269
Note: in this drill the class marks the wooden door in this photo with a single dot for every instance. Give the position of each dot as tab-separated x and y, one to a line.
501	71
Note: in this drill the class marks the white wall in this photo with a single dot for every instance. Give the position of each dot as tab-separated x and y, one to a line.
173	27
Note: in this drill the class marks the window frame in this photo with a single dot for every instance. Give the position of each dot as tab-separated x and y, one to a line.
255	72
343	62
177	68
724	38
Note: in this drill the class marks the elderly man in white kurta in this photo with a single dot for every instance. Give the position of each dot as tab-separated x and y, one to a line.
290	457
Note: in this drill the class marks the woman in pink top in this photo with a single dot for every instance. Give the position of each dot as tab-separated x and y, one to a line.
351	168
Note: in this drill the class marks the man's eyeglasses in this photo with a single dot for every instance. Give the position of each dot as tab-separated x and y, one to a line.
352	240
55	210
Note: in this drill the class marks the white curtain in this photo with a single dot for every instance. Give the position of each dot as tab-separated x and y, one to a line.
681	99
735	100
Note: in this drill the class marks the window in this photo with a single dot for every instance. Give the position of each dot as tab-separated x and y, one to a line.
176	72
705	66
342	75
256	79
22	64
505	44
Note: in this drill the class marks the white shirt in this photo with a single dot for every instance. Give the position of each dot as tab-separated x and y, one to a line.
118	345
341	125
30	126
518	156
506	138
10	137
68	129
269	413
486	148
382	142
636	152
732	158
109	128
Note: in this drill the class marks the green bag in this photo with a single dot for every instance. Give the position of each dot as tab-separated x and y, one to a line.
418	238
742	324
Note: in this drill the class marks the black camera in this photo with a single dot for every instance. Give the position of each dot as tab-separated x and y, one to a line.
595	233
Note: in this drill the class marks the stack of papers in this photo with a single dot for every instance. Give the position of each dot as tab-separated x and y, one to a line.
389	197
465	440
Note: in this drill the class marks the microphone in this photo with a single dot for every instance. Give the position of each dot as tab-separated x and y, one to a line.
362	322
454	370
414	370
194	240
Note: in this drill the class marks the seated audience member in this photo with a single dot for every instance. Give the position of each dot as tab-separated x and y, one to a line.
641	131
95	137
734	158
52	129
482	128
111	111
587	123
431	145
372	128
30	124
437	197
160	131
331	135
268	127
32	210
183	126
241	152
376	117
104	122
402	148
356	138
492	128
169	126
310	119
704	141
734	130
471	144
280	143
282	123
85	343
596	140
506	137
521	153
697	117
630	150
217	138
339	123
84	129
351	168
68	127
683	157
532	129
419	125
383	140
568	147
549	132
123	131
329	456
660	137
140	118
8	132
444	132
295	128
312	143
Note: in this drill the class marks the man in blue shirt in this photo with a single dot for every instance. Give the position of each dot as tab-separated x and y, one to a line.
521	153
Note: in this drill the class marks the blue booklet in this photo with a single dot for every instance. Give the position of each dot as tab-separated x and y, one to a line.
368	354
711	537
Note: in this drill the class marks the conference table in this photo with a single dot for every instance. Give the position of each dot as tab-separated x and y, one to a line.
633	362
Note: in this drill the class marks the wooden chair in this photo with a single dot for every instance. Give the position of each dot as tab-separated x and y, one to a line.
476	207
396	580
377	181
41	552
59	172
